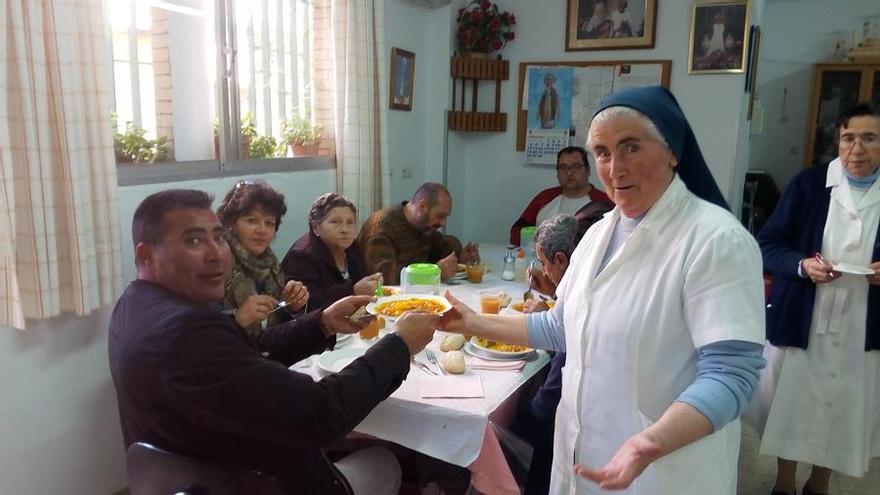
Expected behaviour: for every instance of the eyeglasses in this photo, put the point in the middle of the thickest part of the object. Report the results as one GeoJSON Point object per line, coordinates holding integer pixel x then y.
{"type": "Point", "coordinates": [569, 168]}
{"type": "Point", "coordinates": [244, 183]}
{"type": "Point", "coordinates": [869, 140]}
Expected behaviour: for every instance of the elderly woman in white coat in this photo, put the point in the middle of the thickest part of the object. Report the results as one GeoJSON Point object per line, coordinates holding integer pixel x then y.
{"type": "Point", "coordinates": [660, 312]}
{"type": "Point", "coordinates": [823, 320]}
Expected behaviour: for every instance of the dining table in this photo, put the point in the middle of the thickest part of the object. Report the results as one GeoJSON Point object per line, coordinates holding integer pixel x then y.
{"type": "Point", "coordinates": [453, 429]}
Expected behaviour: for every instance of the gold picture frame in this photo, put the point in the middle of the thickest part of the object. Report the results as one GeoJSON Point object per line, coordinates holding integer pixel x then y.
{"type": "Point", "coordinates": [610, 24]}
{"type": "Point", "coordinates": [719, 42]}
{"type": "Point", "coordinates": [403, 72]}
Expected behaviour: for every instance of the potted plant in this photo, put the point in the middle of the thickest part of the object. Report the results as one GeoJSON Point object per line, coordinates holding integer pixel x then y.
{"type": "Point", "coordinates": [482, 28]}
{"type": "Point", "coordinates": [247, 132]}
{"type": "Point", "coordinates": [262, 147]}
{"type": "Point", "coordinates": [301, 135]}
{"type": "Point", "coordinates": [132, 146]}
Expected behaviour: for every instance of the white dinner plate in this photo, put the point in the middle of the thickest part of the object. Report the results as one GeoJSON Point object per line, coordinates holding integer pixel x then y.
{"type": "Point", "coordinates": [335, 361]}
{"type": "Point", "coordinates": [371, 308]}
{"type": "Point", "coordinates": [481, 352]}
{"type": "Point", "coordinates": [854, 269]}
{"type": "Point", "coordinates": [342, 338]}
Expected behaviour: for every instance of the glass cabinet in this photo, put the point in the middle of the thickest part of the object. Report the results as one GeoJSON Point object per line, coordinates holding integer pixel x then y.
{"type": "Point", "coordinates": [835, 88]}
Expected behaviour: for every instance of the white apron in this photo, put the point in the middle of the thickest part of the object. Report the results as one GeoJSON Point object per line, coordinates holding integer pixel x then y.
{"type": "Point", "coordinates": [826, 406]}
{"type": "Point", "coordinates": [688, 275]}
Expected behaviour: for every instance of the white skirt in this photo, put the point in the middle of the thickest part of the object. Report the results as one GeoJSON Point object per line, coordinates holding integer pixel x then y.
{"type": "Point", "coordinates": [822, 404]}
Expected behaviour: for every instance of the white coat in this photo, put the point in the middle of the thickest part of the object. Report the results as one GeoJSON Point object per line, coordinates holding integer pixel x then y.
{"type": "Point", "coordinates": [688, 275]}
{"type": "Point", "coordinates": [826, 405]}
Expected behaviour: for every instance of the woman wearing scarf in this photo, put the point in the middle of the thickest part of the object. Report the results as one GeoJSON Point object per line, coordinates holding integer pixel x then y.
{"type": "Point", "coordinates": [252, 212]}
{"type": "Point", "coordinates": [821, 244]}
{"type": "Point", "coordinates": [660, 315]}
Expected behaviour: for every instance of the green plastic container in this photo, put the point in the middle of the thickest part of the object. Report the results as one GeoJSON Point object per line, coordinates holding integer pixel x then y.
{"type": "Point", "coordinates": [420, 278]}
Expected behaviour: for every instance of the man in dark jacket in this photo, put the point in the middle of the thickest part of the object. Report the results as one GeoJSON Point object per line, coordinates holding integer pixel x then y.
{"type": "Point", "coordinates": [190, 381]}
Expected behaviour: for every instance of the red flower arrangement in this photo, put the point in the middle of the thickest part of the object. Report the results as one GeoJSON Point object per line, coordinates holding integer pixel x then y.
{"type": "Point", "coordinates": [481, 28]}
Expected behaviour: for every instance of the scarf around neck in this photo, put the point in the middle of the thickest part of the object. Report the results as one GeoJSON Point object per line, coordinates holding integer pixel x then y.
{"type": "Point", "coordinates": [250, 274]}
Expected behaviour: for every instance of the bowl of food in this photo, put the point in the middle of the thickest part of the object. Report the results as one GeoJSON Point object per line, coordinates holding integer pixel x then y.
{"type": "Point", "coordinates": [391, 307]}
{"type": "Point", "coordinates": [488, 349]}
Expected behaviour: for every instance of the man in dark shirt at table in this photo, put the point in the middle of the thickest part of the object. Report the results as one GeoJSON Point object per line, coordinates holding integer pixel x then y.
{"type": "Point", "coordinates": [407, 233]}
{"type": "Point", "coordinates": [190, 381]}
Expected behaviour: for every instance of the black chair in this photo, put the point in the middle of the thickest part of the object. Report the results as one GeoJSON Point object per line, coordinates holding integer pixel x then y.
{"type": "Point", "coordinates": [153, 471]}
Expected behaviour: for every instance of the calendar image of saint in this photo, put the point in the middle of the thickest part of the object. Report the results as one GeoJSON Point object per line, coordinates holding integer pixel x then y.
{"type": "Point", "coordinates": [549, 103]}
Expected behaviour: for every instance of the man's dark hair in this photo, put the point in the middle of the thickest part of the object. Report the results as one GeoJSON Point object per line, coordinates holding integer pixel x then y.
{"type": "Point", "coordinates": [573, 149]}
{"type": "Point", "coordinates": [430, 192]}
{"type": "Point", "coordinates": [862, 109]}
{"type": "Point", "coordinates": [147, 224]}
{"type": "Point", "coordinates": [246, 195]}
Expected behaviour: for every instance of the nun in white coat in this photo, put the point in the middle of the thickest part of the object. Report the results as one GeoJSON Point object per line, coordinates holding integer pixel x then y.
{"type": "Point", "coordinates": [822, 244]}
{"type": "Point", "coordinates": [660, 313]}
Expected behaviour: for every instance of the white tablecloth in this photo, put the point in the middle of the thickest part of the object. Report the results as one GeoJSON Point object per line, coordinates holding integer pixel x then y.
{"type": "Point", "coordinates": [448, 429]}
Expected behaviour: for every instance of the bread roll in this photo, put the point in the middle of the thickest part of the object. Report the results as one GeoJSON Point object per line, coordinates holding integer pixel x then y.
{"type": "Point", "coordinates": [452, 343]}
{"type": "Point", "coordinates": [453, 362]}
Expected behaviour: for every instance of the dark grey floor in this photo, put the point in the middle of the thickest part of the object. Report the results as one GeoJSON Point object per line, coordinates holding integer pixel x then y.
{"type": "Point", "coordinates": [757, 473]}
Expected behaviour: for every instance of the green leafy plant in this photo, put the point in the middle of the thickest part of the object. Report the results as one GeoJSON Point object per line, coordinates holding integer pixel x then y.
{"type": "Point", "coordinates": [299, 131]}
{"type": "Point", "coordinates": [262, 147]}
{"type": "Point", "coordinates": [133, 146]}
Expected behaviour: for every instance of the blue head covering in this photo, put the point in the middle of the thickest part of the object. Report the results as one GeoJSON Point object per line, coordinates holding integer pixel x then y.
{"type": "Point", "coordinates": [658, 104]}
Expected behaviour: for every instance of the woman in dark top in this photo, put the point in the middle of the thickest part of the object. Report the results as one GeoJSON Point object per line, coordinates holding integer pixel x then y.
{"type": "Point", "coordinates": [326, 259]}
{"type": "Point", "coordinates": [252, 211]}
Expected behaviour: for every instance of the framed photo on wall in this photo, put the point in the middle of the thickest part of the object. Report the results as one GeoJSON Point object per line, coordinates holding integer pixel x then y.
{"type": "Point", "coordinates": [403, 71]}
{"type": "Point", "coordinates": [610, 24]}
{"type": "Point", "coordinates": [719, 37]}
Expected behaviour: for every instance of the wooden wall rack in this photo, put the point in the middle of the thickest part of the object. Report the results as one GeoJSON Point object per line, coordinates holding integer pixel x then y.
{"type": "Point", "coordinates": [476, 70]}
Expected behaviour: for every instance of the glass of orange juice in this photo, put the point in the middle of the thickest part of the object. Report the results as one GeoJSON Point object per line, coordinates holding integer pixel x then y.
{"type": "Point", "coordinates": [490, 301]}
{"type": "Point", "coordinates": [371, 331]}
{"type": "Point", "coordinates": [475, 273]}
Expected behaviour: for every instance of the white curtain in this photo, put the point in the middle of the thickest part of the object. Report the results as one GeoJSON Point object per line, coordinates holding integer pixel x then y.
{"type": "Point", "coordinates": [59, 228]}
{"type": "Point", "coordinates": [351, 96]}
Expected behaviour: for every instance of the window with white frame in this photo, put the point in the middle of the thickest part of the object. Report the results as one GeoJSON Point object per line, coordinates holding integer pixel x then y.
{"type": "Point", "coordinates": [188, 71]}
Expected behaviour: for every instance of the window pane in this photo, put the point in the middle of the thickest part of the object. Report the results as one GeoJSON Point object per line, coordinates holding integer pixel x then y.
{"type": "Point", "coordinates": [171, 101]}
{"type": "Point", "coordinates": [272, 76]}
{"type": "Point", "coordinates": [120, 46]}
{"type": "Point", "coordinates": [148, 99]}
{"type": "Point", "coordinates": [122, 81]}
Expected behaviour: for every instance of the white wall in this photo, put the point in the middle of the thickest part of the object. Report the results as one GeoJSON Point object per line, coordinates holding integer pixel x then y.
{"type": "Point", "coordinates": [489, 181]}
{"type": "Point", "coordinates": [793, 39]}
{"type": "Point", "coordinates": [416, 138]}
{"type": "Point", "coordinates": [59, 420]}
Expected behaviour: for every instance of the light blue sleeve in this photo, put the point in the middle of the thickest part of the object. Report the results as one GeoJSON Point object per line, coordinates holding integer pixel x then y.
{"type": "Point", "coordinates": [545, 329]}
{"type": "Point", "coordinates": [727, 378]}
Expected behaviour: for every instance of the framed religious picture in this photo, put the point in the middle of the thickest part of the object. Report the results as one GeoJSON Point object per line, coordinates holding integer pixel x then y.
{"type": "Point", "coordinates": [719, 37]}
{"type": "Point", "coordinates": [610, 24]}
{"type": "Point", "coordinates": [403, 71]}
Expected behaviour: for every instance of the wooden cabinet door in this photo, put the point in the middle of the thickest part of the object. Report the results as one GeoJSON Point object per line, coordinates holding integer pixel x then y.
{"type": "Point", "coordinates": [834, 90]}
{"type": "Point", "coordinates": [874, 90]}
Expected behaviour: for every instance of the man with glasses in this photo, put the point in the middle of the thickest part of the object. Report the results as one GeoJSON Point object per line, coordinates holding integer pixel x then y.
{"type": "Point", "coordinates": [572, 197]}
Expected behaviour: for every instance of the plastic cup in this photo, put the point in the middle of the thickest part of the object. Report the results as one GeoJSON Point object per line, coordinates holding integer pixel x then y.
{"type": "Point", "coordinates": [371, 331]}
{"type": "Point", "coordinates": [490, 301]}
{"type": "Point", "coordinates": [474, 273]}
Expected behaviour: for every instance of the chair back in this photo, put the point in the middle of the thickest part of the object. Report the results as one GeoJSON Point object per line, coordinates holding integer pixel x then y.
{"type": "Point", "coordinates": [153, 471]}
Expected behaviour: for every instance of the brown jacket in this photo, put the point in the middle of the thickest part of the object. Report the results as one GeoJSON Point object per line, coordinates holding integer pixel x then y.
{"type": "Point", "coordinates": [390, 243]}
